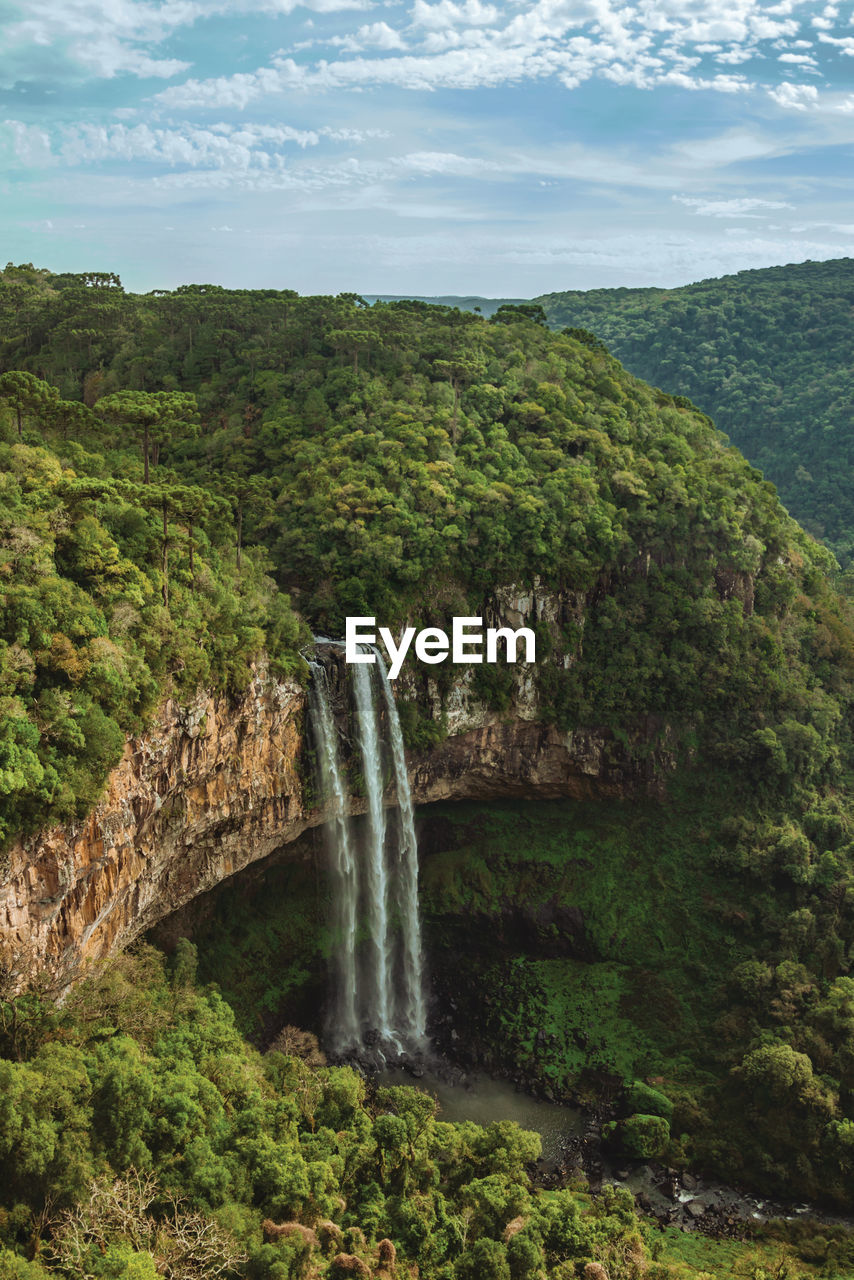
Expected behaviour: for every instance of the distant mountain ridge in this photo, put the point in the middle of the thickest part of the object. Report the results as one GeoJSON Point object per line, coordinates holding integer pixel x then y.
{"type": "Point", "coordinates": [768, 354]}
{"type": "Point", "coordinates": [465, 302]}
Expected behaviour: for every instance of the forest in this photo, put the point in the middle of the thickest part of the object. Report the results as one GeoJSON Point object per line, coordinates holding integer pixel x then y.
{"type": "Point", "coordinates": [194, 482]}
{"type": "Point", "coordinates": [767, 354]}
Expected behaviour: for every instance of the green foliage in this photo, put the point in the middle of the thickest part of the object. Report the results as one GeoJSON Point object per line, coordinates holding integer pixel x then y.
{"type": "Point", "coordinates": [669, 945]}
{"type": "Point", "coordinates": [643, 1098]}
{"type": "Point", "coordinates": [89, 635]}
{"type": "Point", "coordinates": [163, 1143]}
{"type": "Point", "coordinates": [642, 1137]}
{"type": "Point", "coordinates": [404, 460]}
{"type": "Point", "coordinates": [766, 353]}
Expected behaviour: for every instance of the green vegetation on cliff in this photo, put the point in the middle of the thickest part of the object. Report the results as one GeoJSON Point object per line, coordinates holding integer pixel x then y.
{"type": "Point", "coordinates": [93, 632]}
{"type": "Point", "coordinates": [164, 451]}
{"type": "Point", "coordinates": [768, 354]}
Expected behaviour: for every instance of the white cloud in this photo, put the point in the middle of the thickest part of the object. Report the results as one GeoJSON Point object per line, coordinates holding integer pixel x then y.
{"type": "Point", "coordinates": [435, 17]}
{"type": "Point", "coordinates": [720, 83]}
{"type": "Point", "coordinates": [740, 207]}
{"type": "Point", "coordinates": [843, 43]}
{"type": "Point", "coordinates": [841, 228]}
{"type": "Point", "coordinates": [221, 147]}
{"type": "Point", "coordinates": [795, 97]}
{"type": "Point", "coordinates": [107, 38]}
{"type": "Point", "coordinates": [379, 35]}
{"type": "Point", "coordinates": [486, 61]}
{"type": "Point", "coordinates": [29, 143]}
{"type": "Point", "coordinates": [734, 57]}
{"type": "Point", "coordinates": [456, 43]}
{"type": "Point", "coordinates": [376, 35]}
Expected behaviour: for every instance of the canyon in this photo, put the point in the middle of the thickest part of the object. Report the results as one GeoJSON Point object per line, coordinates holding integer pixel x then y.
{"type": "Point", "coordinates": [217, 784]}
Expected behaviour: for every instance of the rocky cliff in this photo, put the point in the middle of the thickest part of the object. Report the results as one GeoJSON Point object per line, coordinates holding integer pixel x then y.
{"type": "Point", "coordinates": [209, 788]}
{"type": "Point", "coordinates": [217, 785]}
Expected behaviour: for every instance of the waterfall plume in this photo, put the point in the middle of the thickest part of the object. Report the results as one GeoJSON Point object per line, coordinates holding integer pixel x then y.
{"type": "Point", "coordinates": [378, 998]}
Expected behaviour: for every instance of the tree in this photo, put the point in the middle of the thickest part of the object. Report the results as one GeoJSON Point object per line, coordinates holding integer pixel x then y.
{"type": "Point", "coordinates": [27, 394]}
{"type": "Point", "coordinates": [246, 493]}
{"type": "Point", "coordinates": [156, 417]}
{"type": "Point", "coordinates": [137, 410]}
{"type": "Point", "coordinates": [461, 370]}
{"type": "Point", "coordinates": [353, 341]}
{"type": "Point", "coordinates": [193, 505]}
{"type": "Point", "coordinates": [134, 1211]}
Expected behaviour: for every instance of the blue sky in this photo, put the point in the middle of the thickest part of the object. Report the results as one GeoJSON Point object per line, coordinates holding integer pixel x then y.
{"type": "Point", "coordinates": [432, 146]}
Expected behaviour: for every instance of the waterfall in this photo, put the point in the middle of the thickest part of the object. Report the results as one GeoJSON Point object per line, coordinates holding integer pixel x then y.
{"type": "Point", "coordinates": [377, 875]}
{"type": "Point", "coordinates": [411, 990]}
{"type": "Point", "coordinates": [378, 968]}
{"type": "Point", "coordinates": [347, 1021]}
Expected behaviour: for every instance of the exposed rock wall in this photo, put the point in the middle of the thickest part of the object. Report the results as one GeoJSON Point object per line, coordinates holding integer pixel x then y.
{"type": "Point", "coordinates": [208, 789]}
{"type": "Point", "coordinates": [215, 786]}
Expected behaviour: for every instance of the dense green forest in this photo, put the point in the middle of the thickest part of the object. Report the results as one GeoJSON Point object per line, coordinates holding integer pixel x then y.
{"type": "Point", "coordinates": [194, 480]}
{"type": "Point", "coordinates": [768, 354]}
{"type": "Point", "coordinates": [141, 1136]}
{"type": "Point", "coordinates": [150, 1139]}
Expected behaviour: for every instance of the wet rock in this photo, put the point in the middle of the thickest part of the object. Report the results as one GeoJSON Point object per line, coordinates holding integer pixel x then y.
{"type": "Point", "coordinates": [695, 1208]}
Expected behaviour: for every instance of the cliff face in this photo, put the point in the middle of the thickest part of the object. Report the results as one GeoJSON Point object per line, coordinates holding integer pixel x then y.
{"type": "Point", "coordinates": [209, 788]}
{"type": "Point", "coordinates": [215, 786]}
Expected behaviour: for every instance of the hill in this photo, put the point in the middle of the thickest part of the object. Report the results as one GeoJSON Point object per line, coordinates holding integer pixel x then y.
{"type": "Point", "coordinates": [167, 455]}
{"type": "Point", "coordinates": [467, 302]}
{"type": "Point", "coordinates": [767, 354]}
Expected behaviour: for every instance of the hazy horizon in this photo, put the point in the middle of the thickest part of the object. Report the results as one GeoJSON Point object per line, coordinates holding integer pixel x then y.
{"type": "Point", "coordinates": [456, 147]}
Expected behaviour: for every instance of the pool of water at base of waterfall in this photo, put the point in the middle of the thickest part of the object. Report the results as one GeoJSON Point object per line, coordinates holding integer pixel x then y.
{"type": "Point", "coordinates": [484, 1101]}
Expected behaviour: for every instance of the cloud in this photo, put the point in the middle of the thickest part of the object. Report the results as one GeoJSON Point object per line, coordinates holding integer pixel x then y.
{"type": "Point", "coordinates": [461, 44]}
{"type": "Point", "coordinates": [471, 44]}
{"type": "Point", "coordinates": [843, 43]}
{"type": "Point", "coordinates": [226, 147]}
{"type": "Point", "coordinates": [740, 207]}
{"type": "Point", "coordinates": [841, 228]}
{"type": "Point", "coordinates": [436, 17]}
{"type": "Point", "coordinates": [735, 57]}
{"type": "Point", "coordinates": [98, 38]}
{"type": "Point", "coordinates": [29, 143]}
{"type": "Point", "coordinates": [352, 173]}
{"type": "Point", "coordinates": [376, 35]}
{"type": "Point", "coordinates": [481, 63]}
{"type": "Point", "coordinates": [795, 97]}
{"type": "Point", "coordinates": [103, 39]}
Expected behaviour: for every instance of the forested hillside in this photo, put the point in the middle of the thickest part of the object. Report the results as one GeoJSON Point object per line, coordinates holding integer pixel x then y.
{"type": "Point", "coordinates": [394, 458]}
{"type": "Point", "coordinates": [196, 478]}
{"type": "Point", "coordinates": [768, 354]}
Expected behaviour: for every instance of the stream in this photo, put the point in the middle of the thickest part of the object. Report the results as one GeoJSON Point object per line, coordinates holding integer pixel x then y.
{"type": "Point", "coordinates": [484, 1101]}
{"type": "Point", "coordinates": [570, 1139]}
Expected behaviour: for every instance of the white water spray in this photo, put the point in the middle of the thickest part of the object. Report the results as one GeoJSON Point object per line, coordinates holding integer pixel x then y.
{"type": "Point", "coordinates": [377, 875]}
{"type": "Point", "coordinates": [381, 994]}
{"type": "Point", "coordinates": [348, 1029]}
{"type": "Point", "coordinates": [410, 991]}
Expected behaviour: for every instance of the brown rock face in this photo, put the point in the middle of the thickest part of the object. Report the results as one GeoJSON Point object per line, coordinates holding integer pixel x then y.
{"type": "Point", "coordinates": [517, 757]}
{"type": "Point", "coordinates": [215, 786]}
{"type": "Point", "coordinates": [208, 789]}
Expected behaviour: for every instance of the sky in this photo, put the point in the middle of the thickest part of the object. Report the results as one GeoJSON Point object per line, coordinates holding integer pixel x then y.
{"type": "Point", "coordinates": [427, 146]}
